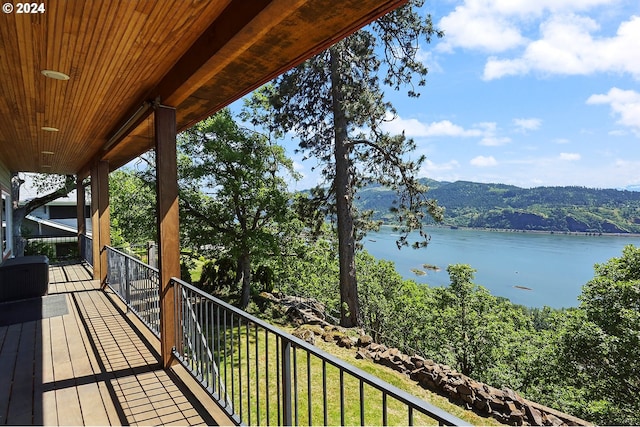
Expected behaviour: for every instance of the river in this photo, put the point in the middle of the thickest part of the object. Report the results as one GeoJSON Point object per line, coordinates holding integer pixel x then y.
{"type": "Point", "coordinates": [532, 269]}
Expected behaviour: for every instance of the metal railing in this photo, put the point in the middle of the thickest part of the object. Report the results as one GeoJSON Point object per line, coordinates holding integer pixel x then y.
{"type": "Point", "coordinates": [137, 284]}
{"type": "Point", "coordinates": [56, 248]}
{"type": "Point", "coordinates": [86, 248]}
{"type": "Point", "coordinates": [261, 375]}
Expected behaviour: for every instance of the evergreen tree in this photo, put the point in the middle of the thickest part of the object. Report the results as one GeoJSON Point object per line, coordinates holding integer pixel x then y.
{"type": "Point", "coordinates": [335, 104]}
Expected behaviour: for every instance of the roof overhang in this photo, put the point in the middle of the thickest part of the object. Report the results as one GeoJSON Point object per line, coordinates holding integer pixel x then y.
{"type": "Point", "coordinates": [123, 55]}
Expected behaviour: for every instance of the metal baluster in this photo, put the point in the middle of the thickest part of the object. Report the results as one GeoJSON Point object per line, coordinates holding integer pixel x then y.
{"type": "Point", "coordinates": [295, 384]}
{"type": "Point", "coordinates": [341, 397]}
{"type": "Point", "coordinates": [286, 382]}
{"type": "Point", "coordinates": [324, 391]}
{"type": "Point", "coordinates": [309, 408]}
{"type": "Point", "coordinates": [361, 403]}
{"type": "Point", "coordinates": [266, 373]}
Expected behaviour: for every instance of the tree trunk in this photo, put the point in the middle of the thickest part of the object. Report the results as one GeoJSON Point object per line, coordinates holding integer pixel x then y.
{"type": "Point", "coordinates": [18, 214]}
{"type": "Point", "coordinates": [349, 312]}
{"type": "Point", "coordinates": [244, 270]}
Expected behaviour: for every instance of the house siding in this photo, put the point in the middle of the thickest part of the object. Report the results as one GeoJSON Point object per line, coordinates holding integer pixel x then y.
{"type": "Point", "coordinates": [5, 178]}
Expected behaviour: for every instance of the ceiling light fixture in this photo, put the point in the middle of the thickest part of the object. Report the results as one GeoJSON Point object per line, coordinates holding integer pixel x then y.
{"type": "Point", "coordinates": [50, 129]}
{"type": "Point", "coordinates": [48, 152]}
{"type": "Point", "coordinates": [57, 75]}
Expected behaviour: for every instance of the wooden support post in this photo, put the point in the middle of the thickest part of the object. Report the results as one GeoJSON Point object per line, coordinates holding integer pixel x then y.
{"type": "Point", "coordinates": [95, 222]}
{"type": "Point", "coordinates": [100, 223]}
{"type": "Point", "coordinates": [80, 214]}
{"type": "Point", "coordinates": [105, 223]}
{"type": "Point", "coordinates": [168, 225]}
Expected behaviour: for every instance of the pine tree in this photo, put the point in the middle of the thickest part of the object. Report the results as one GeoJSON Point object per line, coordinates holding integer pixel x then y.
{"type": "Point", "coordinates": [335, 104]}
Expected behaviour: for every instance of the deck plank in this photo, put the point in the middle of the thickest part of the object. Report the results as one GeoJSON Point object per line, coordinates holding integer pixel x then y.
{"type": "Point", "coordinates": [7, 364]}
{"type": "Point", "coordinates": [46, 412]}
{"type": "Point", "coordinates": [21, 403]}
{"type": "Point", "coordinates": [68, 402]}
{"type": "Point", "coordinates": [92, 404]}
{"type": "Point", "coordinates": [91, 366]}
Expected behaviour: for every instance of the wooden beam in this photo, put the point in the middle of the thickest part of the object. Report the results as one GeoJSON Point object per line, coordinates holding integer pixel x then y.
{"type": "Point", "coordinates": [188, 74]}
{"type": "Point", "coordinates": [168, 225]}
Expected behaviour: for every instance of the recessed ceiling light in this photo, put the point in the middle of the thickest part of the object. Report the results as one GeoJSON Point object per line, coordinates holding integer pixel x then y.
{"type": "Point", "coordinates": [55, 75]}
{"type": "Point", "coordinates": [49, 129]}
{"type": "Point", "coordinates": [48, 152]}
{"type": "Point", "coordinates": [46, 166]}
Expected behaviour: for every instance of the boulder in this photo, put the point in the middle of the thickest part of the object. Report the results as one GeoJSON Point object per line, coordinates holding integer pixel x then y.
{"type": "Point", "coordinates": [363, 354]}
{"type": "Point", "coordinates": [464, 389]}
{"type": "Point", "coordinates": [305, 335]}
{"type": "Point", "coordinates": [373, 347]}
{"type": "Point", "coordinates": [364, 340]}
{"type": "Point", "coordinates": [534, 416]}
{"type": "Point", "coordinates": [417, 361]}
{"type": "Point", "coordinates": [552, 420]}
{"type": "Point", "coordinates": [344, 341]}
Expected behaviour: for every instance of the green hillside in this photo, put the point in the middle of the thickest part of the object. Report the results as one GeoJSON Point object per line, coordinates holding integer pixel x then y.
{"type": "Point", "coordinates": [558, 209]}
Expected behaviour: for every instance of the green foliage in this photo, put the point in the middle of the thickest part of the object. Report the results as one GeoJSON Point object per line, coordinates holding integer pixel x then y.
{"type": "Point", "coordinates": [218, 276]}
{"type": "Point", "coordinates": [310, 269]}
{"type": "Point", "coordinates": [132, 203]}
{"type": "Point", "coordinates": [233, 193]}
{"type": "Point", "coordinates": [602, 340]}
{"type": "Point", "coordinates": [36, 247]}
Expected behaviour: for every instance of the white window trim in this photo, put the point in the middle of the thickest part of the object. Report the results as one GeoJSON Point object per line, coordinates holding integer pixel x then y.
{"type": "Point", "coordinates": [8, 224]}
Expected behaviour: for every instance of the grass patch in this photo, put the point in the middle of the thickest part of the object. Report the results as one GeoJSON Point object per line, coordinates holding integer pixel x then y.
{"type": "Point", "coordinates": [250, 361]}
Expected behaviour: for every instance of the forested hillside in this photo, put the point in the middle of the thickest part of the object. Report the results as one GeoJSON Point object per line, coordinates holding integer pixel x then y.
{"type": "Point", "coordinates": [558, 209]}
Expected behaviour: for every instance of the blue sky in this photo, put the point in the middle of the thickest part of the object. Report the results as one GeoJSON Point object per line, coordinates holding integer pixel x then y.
{"type": "Point", "coordinates": [527, 92]}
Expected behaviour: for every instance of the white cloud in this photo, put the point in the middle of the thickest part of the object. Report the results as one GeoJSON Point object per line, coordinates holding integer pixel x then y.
{"type": "Point", "coordinates": [494, 141]}
{"type": "Point", "coordinates": [415, 128]}
{"type": "Point", "coordinates": [567, 46]}
{"type": "Point", "coordinates": [618, 132]}
{"type": "Point", "coordinates": [572, 157]}
{"type": "Point", "coordinates": [497, 25]}
{"type": "Point", "coordinates": [428, 167]}
{"type": "Point", "coordinates": [483, 162]}
{"type": "Point", "coordinates": [561, 141]}
{"type": "Point", "coordinates": [524, 125]}
{"type": "Point", "coordinates": [625, 104]}
{"type": "Point", "coordinates": [471, 28]}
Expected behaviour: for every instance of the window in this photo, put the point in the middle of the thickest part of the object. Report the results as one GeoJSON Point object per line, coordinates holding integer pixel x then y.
{"type": "Point", "coordinates": [6, 225]}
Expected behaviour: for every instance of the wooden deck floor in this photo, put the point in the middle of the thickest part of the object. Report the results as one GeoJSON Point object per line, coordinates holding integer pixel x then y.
{"type": "Point", "coordinates": [91, 366]}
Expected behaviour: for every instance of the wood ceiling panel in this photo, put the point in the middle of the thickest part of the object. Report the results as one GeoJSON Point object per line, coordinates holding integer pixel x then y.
{"type": "Point", "coordinates": [114, 51]}
{"type": "Point", "coordinates": [197, 55]}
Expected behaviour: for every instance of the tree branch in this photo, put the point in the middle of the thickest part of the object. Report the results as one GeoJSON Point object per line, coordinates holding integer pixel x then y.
{"type": "Point", "coordinates": [67, 187]}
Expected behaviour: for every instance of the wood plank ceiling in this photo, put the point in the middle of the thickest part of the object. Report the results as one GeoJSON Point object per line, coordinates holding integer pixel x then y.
{"type": "Point", "coordinates": [195, 55]}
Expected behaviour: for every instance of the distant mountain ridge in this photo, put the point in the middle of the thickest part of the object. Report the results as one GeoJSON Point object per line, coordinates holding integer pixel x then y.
{"type": "Point", "coordinates": [502, 206]}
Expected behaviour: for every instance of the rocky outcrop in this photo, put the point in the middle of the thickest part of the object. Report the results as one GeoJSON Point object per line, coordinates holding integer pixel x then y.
{"type": "Point", "coordinates": [504, 405]}
{"type": "Point", "coordinates": [302, 311]}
